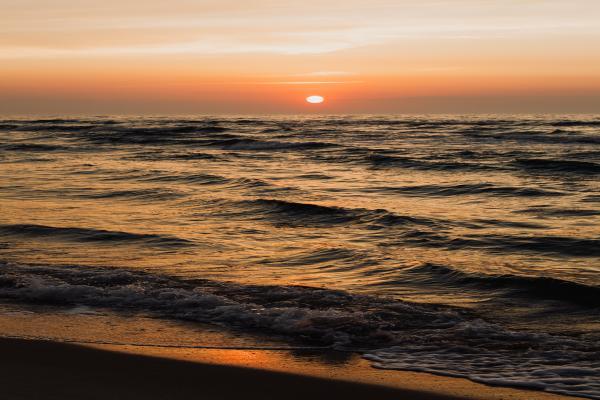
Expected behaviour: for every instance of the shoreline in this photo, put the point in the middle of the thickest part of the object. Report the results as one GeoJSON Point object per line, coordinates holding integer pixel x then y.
{"type": "Point", "coordinates": [33, 369]}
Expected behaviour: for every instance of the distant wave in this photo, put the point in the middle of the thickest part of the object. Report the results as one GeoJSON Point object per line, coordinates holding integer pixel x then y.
{"type": "Point", "coordinates": [559, 245]}
{"type": "Point", "coordinates": [57, 127]}
{"type": "Point", "coordinates": [54, 121]}
{"type": "Point", "coordinates": [32, 147]}
{"type": "Point", "coordinates": [8, 126]}
{"type": "Point", "coordinates": [192, 136]}
{"type": "Point", "coordinates": [388, 159]}
{"type": "Point", "coordinates": [255, 144]}
{"type": "Point", "coordinates": [561, 139]}
{"type": "Point", "coordinates": [148, 135]}
{"type": "Point", "coordinates": [496, 222]}
{"type": "Point", "coordinates": [198, 179]}
{"type": "Point", "coordinates": [392, 161]}
{"type": "Point", "coordinates": [554, 166]}
{"type": "Point", "coordinates": [256, 185]}
{"type": "Point", "coordinates": [186, 155]}
{"type": "Point", "coordinates": [89, 235]}
{"type": "Point", "coordinates": [154, 194]}
{"type": "Point", "coordinates": [577, 123]}
{"type": "Point", "coordinates": [471, 189]}
{"type": "Point", "coordinates": [559, 212]}
{"type": "Point", "coordinates": [594, 198]}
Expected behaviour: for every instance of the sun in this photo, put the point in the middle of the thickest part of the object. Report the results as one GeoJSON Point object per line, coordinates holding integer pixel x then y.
{"type": "Point", "coordinates": [315, 99]}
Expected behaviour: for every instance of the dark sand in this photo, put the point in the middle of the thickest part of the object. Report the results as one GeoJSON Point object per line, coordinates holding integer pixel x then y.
{"type": "Point", "coordinates": [49, 370]}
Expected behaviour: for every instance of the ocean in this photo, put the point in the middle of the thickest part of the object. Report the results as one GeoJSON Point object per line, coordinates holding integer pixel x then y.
{"type": "Point", "coordinates": [465, 246]}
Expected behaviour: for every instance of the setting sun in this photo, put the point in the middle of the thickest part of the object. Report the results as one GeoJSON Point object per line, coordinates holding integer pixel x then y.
{"type": "Point", "coordinates": [315, 99]}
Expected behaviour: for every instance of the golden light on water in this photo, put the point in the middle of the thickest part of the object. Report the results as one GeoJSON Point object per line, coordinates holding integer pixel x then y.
{"type": "Point", "coordinates": [315, 99]}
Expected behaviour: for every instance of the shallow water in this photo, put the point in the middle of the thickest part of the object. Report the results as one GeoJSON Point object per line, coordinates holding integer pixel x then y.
{"type": "Point", "coordinates": [457, 245]}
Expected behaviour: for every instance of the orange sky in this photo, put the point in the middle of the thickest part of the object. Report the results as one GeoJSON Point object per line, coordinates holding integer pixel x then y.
{"type": "Point", "coordinates": [380, 56]}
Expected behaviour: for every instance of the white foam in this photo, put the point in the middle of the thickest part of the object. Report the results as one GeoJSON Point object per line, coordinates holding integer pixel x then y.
{"type": "Point", "coordinates": [489, 354]}
{"type": "Point", "coordinates": [409, 336]}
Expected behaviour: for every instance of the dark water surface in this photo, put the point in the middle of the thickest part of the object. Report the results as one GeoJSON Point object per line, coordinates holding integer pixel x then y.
{"type": "Point", "coordinates": [466, 246]}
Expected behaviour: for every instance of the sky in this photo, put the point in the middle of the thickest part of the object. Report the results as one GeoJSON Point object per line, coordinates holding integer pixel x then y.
{"type": "Point", "coordinates": [266, 56]}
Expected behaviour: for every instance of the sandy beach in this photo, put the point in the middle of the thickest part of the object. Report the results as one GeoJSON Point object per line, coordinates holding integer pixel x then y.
{"type": "Point", "coordinates": [49, 370]}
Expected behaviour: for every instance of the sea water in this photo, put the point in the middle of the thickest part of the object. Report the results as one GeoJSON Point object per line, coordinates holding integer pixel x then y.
{"type": "Point", "coordinates": [459, 245]}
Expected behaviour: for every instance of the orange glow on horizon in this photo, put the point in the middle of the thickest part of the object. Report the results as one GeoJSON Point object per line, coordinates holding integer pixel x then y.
{"type": "Point", "coordinates": [216, 57]}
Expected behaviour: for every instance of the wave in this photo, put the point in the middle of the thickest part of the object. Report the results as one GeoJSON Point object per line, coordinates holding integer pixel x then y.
{"type": "Point", "coordinates": [471, 189]}
{"type": "Point", "coordinates": [410, 230]}
{"type": "Point", "coordinates": [278, 130]}
{"type": "Point", "coordinates": [323, 316]}
{"type": "Point", "coordinates": [539, 287]}
{"type": "Point", "coordinates": [193, 136]}
{"type": "Point", "coordinates": [46, 127]}
{"type": "Point", "coordinates": [192, 156]}
{"type": "Point", "coordinates": [198, 129]}
{"type": "Point", "coordinates": [395, 161]}
{"type": "Point", "coordinates": [154, 194]}
{"type": "Point", "coordinates": [559, 212]}
{"type": "Point", "coordinates": [330, 256]}
{"type": "Point", "coordinates": [558, 166]}
{"type": "Point", "coordinates": [8, 126]}
{"type": "Point", "coordinates": [32, 147]}
{"type": "Point", "coordinates": [197, 179]}
{"type": "Point", "coordinates": [579, 139]}
{"type": "Point", "coordinates": [230, 183]}
{"type": "Point", "coordinates": [390, 159]}
{"type": "Point", "coordinates": [533, 136]}
{"type": "Point", "coordinates": [394, 334]}
{"type": "Point", "coordinates": [576, 123]}
{"type": "Point", "coordinates": [515, 244]}
{"type": "Point", "coordinates": [53, 121]}
{"type": "Point", "coordinates": [257, 186]}
{"type": "Point", "coordinates": [90, 235]}
{"type": "Point", "coordinates": [562, 245]}
{"type": "Point", "coordinates": [415, 122]}
{"type": "Point", "coordinates": [255, 144]}
{"type": "Point", "coordinates": [307, 214]}
{"type": "Point", "coordinates": [509, 224]}
{"type": "Point", "coordinates": [486, 353]}
{"type": "Point", "coordinates": [161, 155]}
{"type": "Point", "coordinates": [593, 198]}
{"type": "Point", "coordinates": [24, 160]}
{"type": "Point", "coordinates": [151, 135]}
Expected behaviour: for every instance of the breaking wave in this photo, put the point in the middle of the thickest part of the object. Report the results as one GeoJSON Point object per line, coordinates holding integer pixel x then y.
{"type": "Point", "coordinates": [393, 334]}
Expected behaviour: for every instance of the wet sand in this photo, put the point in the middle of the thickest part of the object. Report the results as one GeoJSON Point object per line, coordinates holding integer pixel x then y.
{"type": "Point", "coordinates": [50, 370]}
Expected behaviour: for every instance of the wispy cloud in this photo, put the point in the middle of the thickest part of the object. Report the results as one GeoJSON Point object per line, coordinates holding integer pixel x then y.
{"type": "Point", "coordinates": [213, 46]}
{"type": "Point", "coordinates": [325, 73]}
{"type": "Point", "coordinates": [286, 28]}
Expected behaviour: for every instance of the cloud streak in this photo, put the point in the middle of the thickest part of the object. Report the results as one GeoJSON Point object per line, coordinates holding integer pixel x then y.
{"type": "Point", "coordinates": [210, 27]}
